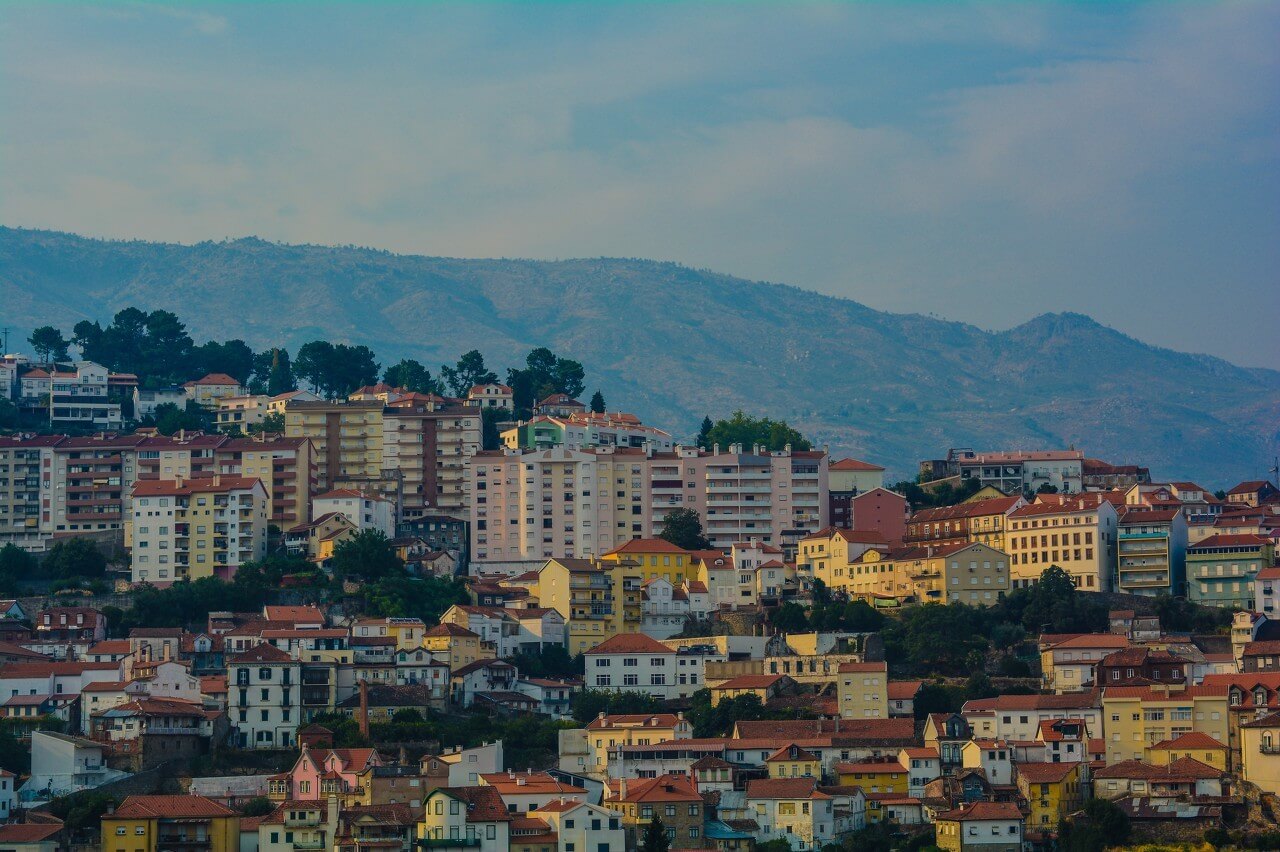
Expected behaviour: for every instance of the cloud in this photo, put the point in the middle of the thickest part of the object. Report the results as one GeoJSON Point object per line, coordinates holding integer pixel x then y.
{"type": "Point", "coordinates": [985, 163]}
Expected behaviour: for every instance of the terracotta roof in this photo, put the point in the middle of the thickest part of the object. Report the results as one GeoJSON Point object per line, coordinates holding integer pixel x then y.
{"type": "Point", "coordinates": [201, 485]}
{"type": "Point", "coordinates": [897, 731]}
{"type": "Point", "coordinates": [29, 832]}
{"type": "Point", "coordinates": [853, 464]}
{"type": "Point", "coordinates": [664, 788]}
{"type": "Point", "coordinates": [630, 643]}
{"type": "Point", "coordinates": [1256, 649]}
{"type": "Point", "coordinates": [1045, 773]}
{"type": "Point", "coordinates": [919, 753]}
{"type": "Point", "coordinates": [983, 811]}
{"type": "Point", "coordinates": [1250, 486]}
{"type": "Point", "coordinates": [530, 783]}
{"type": "Point", "coordinates": [784, 753]}
{"type": "Point", "coordinates": [294, 613]}
{"type": "Point", "coordinates": [451, 629]}
{"type": "Point", "coordinates": [1067, 701]}
{"type": "Point", "coordinates": [901, 690]}
{"type": "Point", "coordinates": [634, 720]}
{"type": "Point", "coordinates": [870, 767]}
{"type": "Point", "coordinates": [22, 670]}
{"type": "Point", "coordinates": [1182, 769]}
{"type": "Point", "coordinates": [1093, 640]}
{"type": "Point", "coordinates": [784, 788]}
{"type": "Point", "coordinates": [1271, 721]}
{"type": "Point", "coordinates": [262, 653]}
{"type": "Point", "coordinates": [647, 545]}
{"type": "Point", "coordinates": [145, 807]}
{"type": "Point", "coordinates": [1194, 739]}
{"type": "Point", "coordinates": [1224, 540]}
{"type": "Point", "coordinates": [978, 508]}
{"type": "Point", "coordinates": [213, 379]}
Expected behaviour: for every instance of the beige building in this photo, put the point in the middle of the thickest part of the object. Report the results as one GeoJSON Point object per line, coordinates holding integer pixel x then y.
{"type": "Point", "coordinates": [862, 691]}
{"type": "Point", "coordinates": [430, 446]}
{"type": "Point", "coordinates": [1078, 536]}
{"type": "Point", "coordinates": [346, 438]}
{"type": "Point", "coordinates": [1068, 666]}
{"type": "Point", "coordinates": [1260, 753]}
{"type": "Point", "coordinates": [972, 574]}
{"type": "Point", "coordinates": [238, 413]}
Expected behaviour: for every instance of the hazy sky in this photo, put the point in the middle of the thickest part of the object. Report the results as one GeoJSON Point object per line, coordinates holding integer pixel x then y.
{"type": "Point", "coordinates": [985, 163]}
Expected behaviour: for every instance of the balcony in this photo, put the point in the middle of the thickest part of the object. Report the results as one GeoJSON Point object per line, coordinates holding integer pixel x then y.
{"type": "Point", "coordinates": [448, 843]}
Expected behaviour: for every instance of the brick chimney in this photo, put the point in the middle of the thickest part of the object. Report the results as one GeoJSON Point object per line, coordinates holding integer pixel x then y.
{"type": "Point", "coordinates": [364, 709]}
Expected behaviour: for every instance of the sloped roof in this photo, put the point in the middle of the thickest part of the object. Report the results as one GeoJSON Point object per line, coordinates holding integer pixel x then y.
{"type": "Point", "coordinates": [630, 643]}
{"type": "Point", "coordinates": [148, 807]}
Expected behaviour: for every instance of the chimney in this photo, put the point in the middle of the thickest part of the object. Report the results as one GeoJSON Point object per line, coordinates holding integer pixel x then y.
{"type": "Point", "coordinates": [364, 709]}
{"type": "Point", "coordinates": [622, 788]}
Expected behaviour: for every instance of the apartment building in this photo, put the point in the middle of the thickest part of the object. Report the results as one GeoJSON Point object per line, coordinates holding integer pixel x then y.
{"type": "Point", "coordinates": [285, 466]}
{"type": "Point", "coordinates": [1078, 535]}
{"type": "Point", "coordinates": [1151, 551]}
{"type": "Point", "coordinates": [238, 413]}
{"type": "Point", "coordinates": [637, 663]}
{"type": "Point", "coordinates": [23, 461]}
{"type": "Point", "coordinates": [1068, 665]}
{"type": "Point", "coordinates": [1013, 471]}
{"type": "Point", "coordinates": [743, 494]}
{"type": "Point", "coordinates": [170, 822]}
{"type": "Point", "coordinates": [186, 529]}
{"type": "Point", "coordinates": [207, 391]}
{"type": "Point", "coordinates": [862, 691]}
{"type": "Point", "coordinates": [1137, 717]}
{"type": "Point", "coordinates": [589, 594]}
{"type": "Point", "coordinates": [533, 506]}
{"type": "Point", "coordinates": [972, 574]}
{"type": "Point", "coordinates": [85, 483]}
{"type": "Point", "coordinates": [828, 554]}
{"type": "Point", "coordinates": [346, 438]}
{"type": "Point", "coordinates": [430, 446]}
{"type": "Point", "coordinates": [1221, 569]}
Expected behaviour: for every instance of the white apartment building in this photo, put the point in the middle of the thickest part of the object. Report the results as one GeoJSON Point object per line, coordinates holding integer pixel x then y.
{"type": "Point", "coordinates": [633, 662]}
{"type": "Point", "coordinates": [185, 529]}
{"type": "Point", "coordinates": [264, 686]}
{"type": "Point", "coordinates": [530, 506]}
{"type": "Point", "coordinates": [364, 511]}
{"type": "Point", "coordinates": [147, 400]}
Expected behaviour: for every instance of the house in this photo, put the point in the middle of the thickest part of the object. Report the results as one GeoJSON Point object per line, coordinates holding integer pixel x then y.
{"type": "Point", "coordinates": [606, 732]}
{"type": "Point", "coordinates": [923, 765]}
{"type": "Point", "coordinates": [1141, 665]}
{"type": "Point", "coordinates": [1253, 493]}
{"type": "Point", "coordinates": [1064, 740]}
{"type": "Point", "coordinates": [364, 511]}
{"type": "Point", "coordinates": [1261, 656]}
{"type": "Point", "coordinates": [491, 396]}
{"type": "Point", "coordinates": [552, 696]}
{"type": "Point", "coordinates": [79, 397]}
{"type": "Point", "coordinates": [209, 389]}
{"type": "Point", "coordinates": [1068, 665]}
{"type": "Point", "coordinates": [478, 677]}
{"type": "Point", "coordinates": [901, 697]}
{"type": "Point", "coordinates": [475, 817]}
{"type": "Point", "coordinates": [878, 775]}
{"type": "Point", "coordinates": [319, 773]}
{"type": "Point", "coordinates": [459, 767]}
{"type": "Point", "coordinates": [763, 687]}
{"type": "Point", "coordinates": [1140, 715]}
{"type": "Point", "coordinates": [1152, 551]}
{"type": "Point", "coordinates": [316, 540]}
{"type": "Point", "coordinates": [1260, 753]}
{"type": "Point", "coordinates": [578, 825]}
{"type": "Point", "coordinates": [147, 732]}
{"type": "Point", "coordinates": [633, 662]}
{"type": "Point", "coordinates": [1052, 790]}
{"type": "Point", "coordinates": [265, 686]}
{"type": "Point", "coordinates": [993, 757]}
{"type": "Point", "coordinates": [673, 799]}
{"type": "Point", "coordinates": [526, 791]}
{"type": "Point", "coordinates": [302, 825]}
{"type": "Point", "coordinates": [1077, 535]}
{"type": "Point", "coordinates": [980, 827]}
{"type": "Point", "coordinates": [791, 761]}
{"type": "Point", "coordinates": [456, 646]}
{"type": "Point", "coordinates": [1194, 744]}
{"type": "Point", "coordinates": [793, 809]}
{"type": "Point", "coordinates": [1184, 777]}
{"type": "Point", "coordinates": [862, 690]}
{"type": "Point", "coordinates": [162, 822]}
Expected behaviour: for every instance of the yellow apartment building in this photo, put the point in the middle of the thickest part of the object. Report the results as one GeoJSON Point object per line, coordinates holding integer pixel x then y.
{"type": "Point", "coordinates": [346, 438]}
{"type": "Point", "coordinates": [628, 729]}
{"type": "Point", "coordinates": [791, 761]}
{"type": "Point", "coordinates": [452, 644]}
{"type": "Point", "coordinates": [972, 574]}
{"type": "Point", "coordinates": [153, 823]}
{"type": "Point", "coordinates": [1260, 753]}
{"type": "Point", "coordinates": [1195, 745]}
{"type": "Point", "coordinates": [1052, 790]}
{"type": "Point", "coordinates": [1136, 717]}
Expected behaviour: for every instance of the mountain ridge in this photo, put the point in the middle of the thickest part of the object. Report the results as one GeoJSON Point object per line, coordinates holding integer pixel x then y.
{"type": "Point", "coordinates": [673, 343]}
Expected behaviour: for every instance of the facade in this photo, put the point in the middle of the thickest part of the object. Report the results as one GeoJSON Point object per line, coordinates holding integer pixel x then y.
{"type": "Point", "coordinates": [188, 529]}
{"type": "Point", "coordinates": [1013, 472]}
{"type": "Point", "coordinates": [346, 438]}
{"type": "Point", "coordinates": [586, 429]}
{"type": "Point", "coordinates": [1078, 536]}
{"type": "Point", "coordinates": [1152, 552]}
{"type": "Point", "coordinates": [364, 511]}
{"type": "Point", "coordinates": [1142, 716]}
{"type": "Point", "coordinates": [980, 827]}
{"type": "Point", "coordinates": [207, 391]}
{"type": "Point", "coordinates": [793, 809]}
{"type": "Point", "coordinates": [633, 662]}
{"type": "Point", "coordinates": [264, 686]}
{"type": "Point", "coordinates": [465, 818]}
{"type": "Point", "coordinates": [238, 413]}
{"type": "Point", "coordinates": [673, 799]}
{"type": "Point", "coordinates": [862, 691]}
{"type": "Point", "coordinates": [1221, 569]}
{"type": "Point", "coordinates": [980, 520]}
{"type": "Point", "coordinates": [78, 398]}
{"type": "Point", "coordinates": [167, 822]}
{"type": "Point", "coordinates": [1260, 752]}
{"type": "Point", "coordinates": [429, 445]}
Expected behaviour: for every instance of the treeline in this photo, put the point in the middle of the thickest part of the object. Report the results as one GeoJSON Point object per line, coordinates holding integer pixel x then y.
{"type": "Point", "coordinates": [157, 347]}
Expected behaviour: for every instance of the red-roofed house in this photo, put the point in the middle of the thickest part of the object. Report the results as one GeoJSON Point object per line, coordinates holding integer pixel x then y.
{"type": "Point", "coordinates": [1221, 568]}
{"type": "Point", "coordinates": [160, 822]}
{"type": "Point", "coordinates": [794, 809]}
{"type": "Point", "coordinates": [985, 826]}
{"type": "Point", "coordinates": [476, 814]}
{"type": "Point", "coordinates": [633, 662]}
{"type": "Point", "coordinates": [207, 390]}
{"type": "Point", "coordinates": [674, 799]}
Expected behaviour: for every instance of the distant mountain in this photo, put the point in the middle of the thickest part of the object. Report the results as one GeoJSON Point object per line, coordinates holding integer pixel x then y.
{"type": "Point", "coordinates": [672, 344]}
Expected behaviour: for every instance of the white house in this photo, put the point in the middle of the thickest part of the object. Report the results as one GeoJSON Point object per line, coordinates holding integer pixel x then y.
{"type": "Point", "coordinates": [666, 608]}
{"type": "Point", "coordinates": [62, 764]}
{"type": "Point", "coordinates": [634, 662]}
{"type": "Point", "coordinates": [264, 686]}
{"type": "Point", "coordinates": [147, 400]}
{"type": "Point", "coordinates": [365, 511]}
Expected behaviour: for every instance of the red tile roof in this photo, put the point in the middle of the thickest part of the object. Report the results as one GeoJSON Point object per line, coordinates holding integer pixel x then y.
{"type": "Point", "coordinates": [203, 485]}
{"type": "Point", "coordinates": [450, 629]}
{"type": "Point", "coordinates": [213, 379]}
{"type": "Point", "coordinates": [630, 643]}
{"type": "Point", "coordinates": [1182, 769]}
{"type": "Point", "coordinates": [848, 668]}
{"type": "Point", "coordinates": [903, 690]}
{"type": "Point", "coordinates": [634, 720]}
{"type": "Point", "coordinates": [1194, 739]}
{"type": "Point", "coordinates": [263, 653]}
{"type": "Point", "coordinates": [664, 788]}
{"type": "Point", "coordinates": [170, 807]}
{"type": "Point", "coordinates": [983, 811]}
{"type": "Point", "coordinates": [647, 545]}
{"type": "Point", "coordinates": [1045, 773]}
{"type": "Point", "coordinates": [853, 464]}
{"type": "Point", "coordinates": [1224, 540]}
{"type": "Point", "coordinates": [30, 832]}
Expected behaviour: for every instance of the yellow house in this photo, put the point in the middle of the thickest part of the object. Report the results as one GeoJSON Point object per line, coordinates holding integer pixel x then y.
{"type": "Point", "coordinates": [598, 599]}
{"type": "Point", "coordinates": [862, 690]}
{"type": "Point", "coordinates": [1052, 791]}
{"type": "Point", "coordinates": [655, 557]}
{"type": "Point", "coordinates": [762, 686]}
{"type": "Point", "coordinates": [1135, 717]}
{"type": "Point", "coordinates": [875, 776]}
{"type": "Point", "coordinates": [605, 732]}
{"type": "Point", "coordinates": [151, 823]}
{"type": "Point", "coordinates": [408, 633]}
{"type": "Point", "coordinates": [452, 644]}
{"type": "Point", "coordinates": [791, 761]}
{"type": "Point", "coordinates": [1195, 744]}
{"type": "Point", "coordinates": [316, 540]}
{"type": "Point", "coordinates": [998, 824]}
{"type": "Point", "coordinates": [828, 553]}
{"type": "Point", "coordinates": [1260, 753]}
{"type": "Point", "coordinates": [874, 574]}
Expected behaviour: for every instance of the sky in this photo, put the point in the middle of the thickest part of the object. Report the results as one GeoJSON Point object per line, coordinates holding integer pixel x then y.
{"type": "Point", "coordinates": [985, 163]}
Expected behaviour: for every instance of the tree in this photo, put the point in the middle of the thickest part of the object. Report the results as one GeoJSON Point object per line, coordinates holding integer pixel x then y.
{"type": "Point", "coordinates": [257, 806]}
{"type": "Point", "coordinates": [750, 431]}
{"type": "Point", "coordinates": [15, 565]}
{"type": "Point", "coordinates": [704, 433]}
{"type": "Point", "coordinates": [683, 528]}
{"type": "Point", "coordinates": [412, 376]}
{"type": "Point", "coordinates": [233, 357]}
{"type": "Point", "coordinates": [74, 557]}
{"type": "Point", "coordinates": [597, 402]}
{"type": "Point", "coordinates": [1104, 826]}
{"type": "Point", "coordinates": [48, 344]}
{"type": "Point", "coordinates": [170, 419]}
{"type": "Point", "coordinates": [467, 373]}
{"type": "Point", "coordinates": [335, 369]}
{"type": "Point", "coordinates": [272, 372]}
{"type": "Point", "coordinates": [544, 374]}
{"type": "Point", "coordinates": [655, 837]}
{"type": "Point", "coordinates": [272, 423]}
{"type": "Point", "coordinates": [790, 618]}
{"type": "Point", "coordinates": [367, 555]}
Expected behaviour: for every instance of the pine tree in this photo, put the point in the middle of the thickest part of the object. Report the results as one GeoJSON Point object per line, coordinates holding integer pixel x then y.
{"type": "Point", "coordinates": [704, 432]}
{"type": "Point", "coordinates": [655, 838]}
{"type": "Point", "coordinates": [597, 402]}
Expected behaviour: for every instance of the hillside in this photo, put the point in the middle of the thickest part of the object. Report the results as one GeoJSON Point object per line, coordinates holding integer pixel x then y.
{"type": "Point", "coordinates": [673, 343]}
